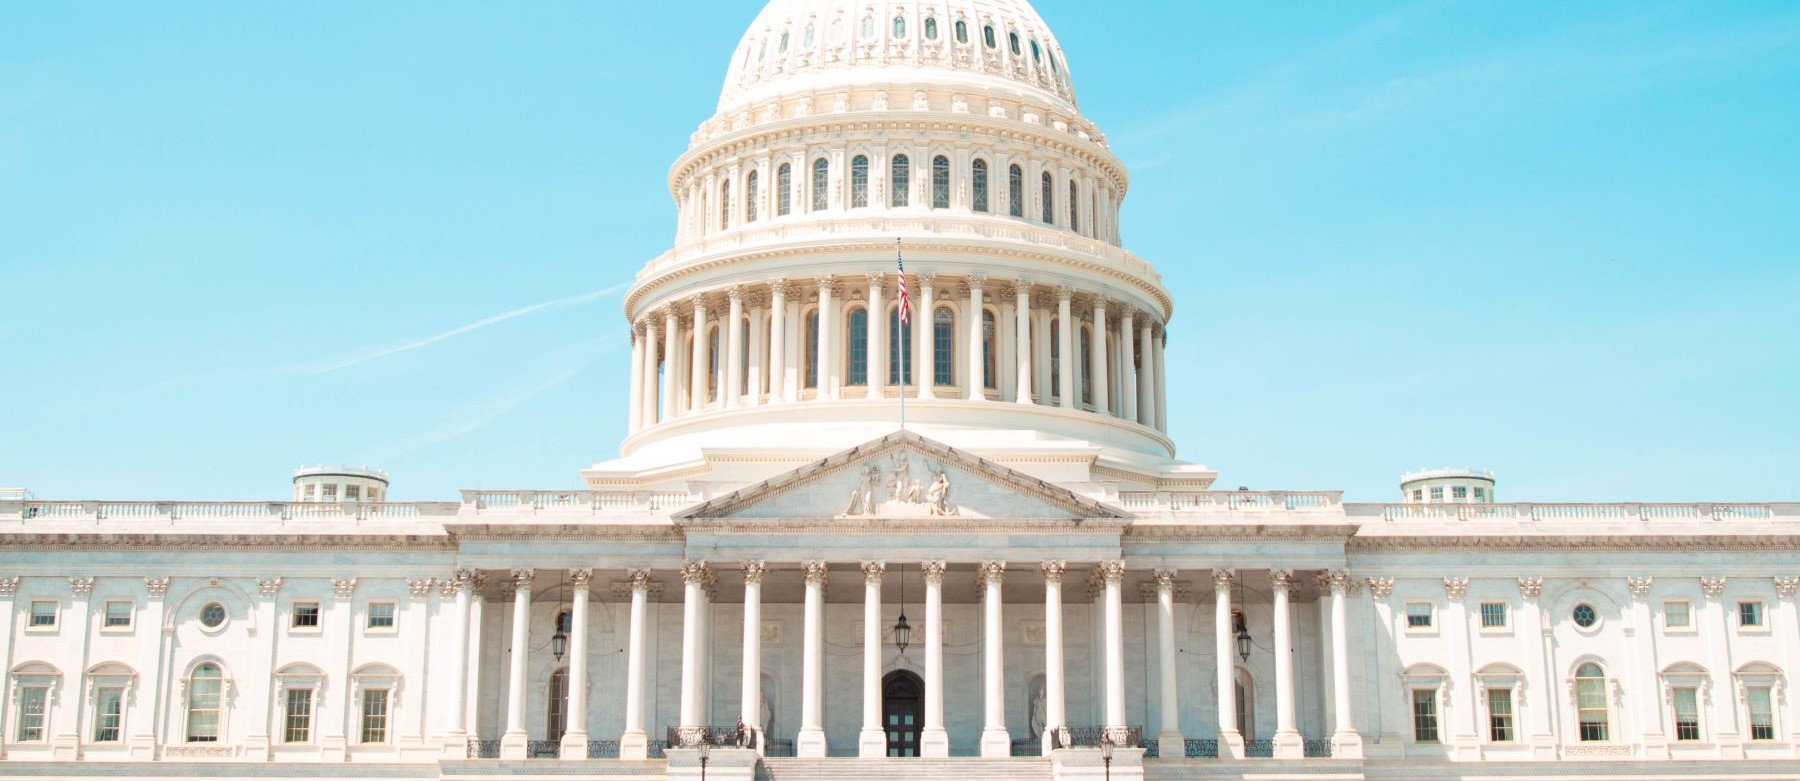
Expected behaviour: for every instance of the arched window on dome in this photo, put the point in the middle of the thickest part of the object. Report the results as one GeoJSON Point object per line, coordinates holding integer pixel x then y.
{"type": "Point", "coordinates": [784, 189]}
{"type": "Point", "coordinates": [784, 43]}
{"type": "Point", "coordinates": [1055, 359]}
{"type": "Point", "coordinates": [930, 28]}
{"type": "Point", "coordinates": [943, 347]}
{"type": "Point", "coordinates": [900, 343]}
{"type": "Point", "coordinates": [979, 184]}
{"type": "Point", "coordinates": [724, 205]}
{"type": "Point", "coordinates": [1049, 199]}
{"type": "Point", "coordinates": [837, 31]}
{"type": "Point", "coordinates": [1037, 54]}
{"type": "Point", "coordinates": [868, 27]}
{"type": "Point", "coordinates": [762, 51]}
{"type": "Point", "coordinates": [205, 693]}
{"type": "Point", "coordinates": [1015, 191]}
{"type": "Point", "coordinates": [1013, 41]}
{"type": "Point", "coordinates": [712, 358]}
{"type": "Point", "coordinates": [899, 27]}
{"type": "Point", "coordinates": [990, 376]}
{"type": "Point", "coordinates": [1085, 367]}
{"type": "Point", "coordinates": [962, 31]}
{"type": "Point", "coordinates": [859, 182]}
{"type": "Point", "coordinates": [752, 192]}
{"type": "Point", "coordinates": [856, 348]}
{"type": "Point", "coordinates": [821, 184]}
{"type": "Point", "coordinates": [806, 39]}
{"type": "Point", "coordinates": [812, 349]}
{"type": "Point", "coordinates": [899, 180]}
{"type": "Point", "coordinates": [940, 182]}
{"type": "Point", "coordinates": [1074, 209]}
{"type": "Point", "coordinates": [987, 36]}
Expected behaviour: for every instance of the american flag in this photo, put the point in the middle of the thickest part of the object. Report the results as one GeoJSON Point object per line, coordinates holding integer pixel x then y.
{"type": "Point", "coordinates": [905, 303]}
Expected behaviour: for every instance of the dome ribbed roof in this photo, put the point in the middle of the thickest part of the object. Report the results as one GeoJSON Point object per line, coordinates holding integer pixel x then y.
{"type": "Point", "coordinates": [817, 45]}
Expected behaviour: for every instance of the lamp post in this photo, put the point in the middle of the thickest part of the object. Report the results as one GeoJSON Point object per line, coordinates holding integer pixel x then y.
{"type": "Point", "coordinates": [1106, 748]}
{"type": "Point", "coordinates": [705, 754]}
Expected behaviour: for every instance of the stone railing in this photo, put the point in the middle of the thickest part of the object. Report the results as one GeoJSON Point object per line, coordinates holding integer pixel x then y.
{"type": "Point", "coordinates": [1231, 501]}
{"type": "Point", "coordinates": [1621, 512]}
{"type": "Point", "coordinates": [578, 501]}
{"type": "Point", "coordinates": [127, 514]}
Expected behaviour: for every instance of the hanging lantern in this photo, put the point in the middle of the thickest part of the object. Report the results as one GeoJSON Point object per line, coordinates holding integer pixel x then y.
{"type": "Point", "coordinates": [902, 630]}
{"type": "Point", "coordinates": [1243, 643]}
{"type": "Point", "coordinates": [559, 642]}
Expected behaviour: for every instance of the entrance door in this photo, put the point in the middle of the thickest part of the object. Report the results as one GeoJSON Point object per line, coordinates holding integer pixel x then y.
{"type": "Point", "coordinates": [903, 712]}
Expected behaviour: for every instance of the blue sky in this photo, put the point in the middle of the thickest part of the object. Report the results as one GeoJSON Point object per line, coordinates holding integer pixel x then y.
{"type": "Point", "coordinates": [1560, 240]}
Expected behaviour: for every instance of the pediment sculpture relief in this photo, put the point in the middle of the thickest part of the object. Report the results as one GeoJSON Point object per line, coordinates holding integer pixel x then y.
{"type": "Point", "coordinates": [900, 492]}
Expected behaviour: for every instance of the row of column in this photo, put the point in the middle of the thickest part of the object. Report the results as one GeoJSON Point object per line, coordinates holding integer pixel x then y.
{"type": "Point", "coordinates": [765, 351]}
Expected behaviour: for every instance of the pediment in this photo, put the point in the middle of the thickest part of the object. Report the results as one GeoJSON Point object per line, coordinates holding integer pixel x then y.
{"type": "Point", "coordinates": [903, 475]}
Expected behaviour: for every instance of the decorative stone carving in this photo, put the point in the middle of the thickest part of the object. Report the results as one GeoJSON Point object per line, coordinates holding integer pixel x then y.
{"type": "Point", "coordinates": [1787, 586]}
{"type": "Point", "coordinates": [1342, 583]}
{"type": "Point", "coordinates": [993, 570]}
{"type": "Point", "coordinates": [1165, 579]}
{"type": "Point", "coordinates": [735, 294]}
{"type": "Point", "coordinates": [1529, 588]}
{"type": "Point", "coordinates": [521, 578]}
{"type": "Point", "coordinates": [817, 572]}
{"type": "Point", "coordinates": [873, 570]}
{"type": "Point", "coordinates": [448, 587]}
{"type": "Point", "coordinates": [10, 586]}
{"type": "Point", "coordinates": [1053, 570]}
{"type": "Point", "coordinates": [81, 587]}
{"type": "Point", "coordinates": [639, 578]}
{"type": "Point", "coordinates": [1381, 588]}
{"type": "Point", "coordinates": [267, 588]}
{"type": "Point", "coordinates": [1712, 587]}
{"type": "Point", "coordinates": [156, 588]}
{"type": "Point", "coordinates": [1223, 579]}
{"type": "Point", "coordinates": [1111, 571]}
{"type": "Point", "coordinates": [754, 571]}
{"type": "Point", "coordinates": [1455, 588]}
{"type": "Point", "coordinates": [934, 571]}
{"type": "Point", "coordinates": [694, 573]}
{"type": "Point", "coordinates": [421, 587]}
{"type": "Point", "coordinates": [479, 581]}
{"type": "Point", "coordinates": [1639, 587]}
{"type": "Point", "coordinates": [343, 588]}
{"type": "Point", "coordinates": [581, 578]}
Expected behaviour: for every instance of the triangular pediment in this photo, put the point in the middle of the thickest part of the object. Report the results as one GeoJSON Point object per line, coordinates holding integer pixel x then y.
{"type": "Point", "coordinates": [903, 475]}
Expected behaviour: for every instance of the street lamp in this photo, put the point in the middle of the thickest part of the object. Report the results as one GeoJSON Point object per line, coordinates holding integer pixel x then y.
{"type": "Point", "coordinates": [1106, 747]}
{"type": "Point", "coordinates": [705, 754]}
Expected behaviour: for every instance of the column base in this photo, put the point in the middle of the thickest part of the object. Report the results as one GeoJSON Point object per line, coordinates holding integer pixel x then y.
{"type": "Point", "coordinates": [1167, 742]}
{"type": "Point", "coordinates": [634, 744]}
{"type": "Point", "coordinates": [996, 743]}
{"type": "Point", "coordinates": [1231, 745]}
{"type": "Point", "coordinates": [1346, 745]}
{"type": "Point", "coordinates": [810, 743]}
{"type": "Point", "coordinates": [514, 746]}
{"type": "Point", "coordinates": [574, 746]}
{"type": "Point", "coordinates": [934, 742]}
{"type": "Point", "coordinates": [871, 743]}
{"type": "Point", "coordinates": [456, 745]}
{"type": "Point", "coordinates": [1289, 745]}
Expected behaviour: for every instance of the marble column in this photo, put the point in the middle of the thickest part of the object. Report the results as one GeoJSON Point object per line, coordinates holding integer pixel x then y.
{"type": "Point", "coordinates": [575, 736]}
{"type": "Point", "coordinates": [456, 741]}
{"type": "Point", "coordinates": [1022, 340]}
{"type": "Point", "coordinates": [1065, 343]}
{"type": "Point", "coordinates": [877, 333]}
{"type": "Point", "coordinates": [635, 419]}
{"type": "Point", "coordinates": [1097, 356]}
{"type": "Point", "coordinates": [732, 388]}
{"type": "Point", "coordinates": [995, 742]}
{"type": "Point", "coordinates": [1148, 382]}
{"type": "Point", "coordinates": [1161, 391]}
{"type": "Point", "coordinates": [925, 339]}
{"type": "Point", "coordinates": [1722, 713]}
{"type": "Point", "coordinates": [756, 371]}
{"type": "Point", "coordinates": [650, 378]}
{"type": "Point", "coordinates": [1113, 572]}
{"type": "Point", "coordinates": [976, 384]}
{"type": "Point", "coordinates": [934, 741]}
{"type": "Point", "coordinates": [1644, 672]}
{"type": "Point", "coordinates": [1054, 688]}
{"type": "Point", "coordinates": [778, 358]}
{"type": "Point", "coordinates": [1128, 387]}
{"type": "Point", "coordinates": [1288, 742]}
{"type": "Point", "coordinates": [828, 351]}
{"type": "Point", "coordinates": [635, 742]}
{"type": "Point", "coordinates": [1169, 682]}
{"type": "Point", "coordinates": [1231, 740]}
{"type": "Point", "coordinates": [700, 363]}
{"type": "Point", "coordinates": [1346, 743]}
{"type": "Point", "coordinates": [811, 740]}
{"type": "Point", "coordinates": [671, 335]}
{"type": "Point", "coordinates": [1787, 628]}
{"type": "Point", "coordinates": [1458, 721]}
{"type": "Point", "coordinates": [693, 578]}
{"type": "Point", "coordinates": [513, 743]}
{"type": "Point", "coordinates": [750, 698]}
{"type": "Point", "coordinates": [873, 740]}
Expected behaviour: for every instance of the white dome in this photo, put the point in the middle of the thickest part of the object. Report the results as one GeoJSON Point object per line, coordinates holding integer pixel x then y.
{"type": "Point", "coordinates": [816, 45]}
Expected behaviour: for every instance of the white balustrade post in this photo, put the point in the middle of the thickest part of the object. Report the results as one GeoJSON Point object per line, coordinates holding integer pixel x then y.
{"type": "Point", "coordinates": [876, 349]}
{"type": "Point", "coordinates": [732, 390]}
{"type": "Point", "coordinates": [693, 578]}
{"type": "Point", "coordinates": [1231, 740]}
{"type": "Point", "coordinates": [811, 740]}
{"type": "Point", "coordinates": [750, 699]}
{"type": "Point", "coordinates": [634, 744]}
{"type": "Point", "coordinates": [925, 339]}
{"type": "Point", "coordinates": [670, 368]}
{"type": "Point", "coordinates": [1169, 683]}
{"type": "Point", "coordinates": [977, 359]}
{"type": "Point", "coordinates": [1097, 356]}
{"type": "Point", "coordinates": [575, 736]}
{"type": "Point", "coordinates": [934, 741]}
{"type": "Point", "coordinates": [1128, 407]}
{"type": "Point", "coordinates": [1288, 742]}
{"type": "Point", "coordinates": [777, 342]}
{"type": "Point", "coordinates": [1346, 743]}
{"type": "Point", "coordinates": [873, 740]}
{"type": "Point", "coordinates": [1022, 340]}
{"type": "Point", "coordinates": [513, 743]}
{"type": "Point", "coordinates": [995, 742]}
{"type": "Point", "coordinates": [1054, 712]}
{"type": "Point", "coordinates": [1065, 342]}
{"type": "Point", "coordinates": [1113, 572]}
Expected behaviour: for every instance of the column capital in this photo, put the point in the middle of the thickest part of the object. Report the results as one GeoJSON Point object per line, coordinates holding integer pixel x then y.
{"type": "Point", "coordinates": [1530, 588]}
{"type": "Point", "coordinates": [756, 300]}
{"type": "Point", "coordinates": [934, 571]}
{"type": "Point", "coordinates": [1281, 578]}
{"type": "Point", "coordinates": [457, 582]}
{"type": "Point", "coordinates": [1100, 303]}
{"type": "Point", "coordinates": [1064, 294]}
{"type": "Point", "coordinates": [977, 281]}
{"type": "Point", "coordinates": [420, 587]}
{"type": "Point", "coordinates": [778, 289]}
{"type": "Point", "coordinates": [81, 587]}
{"type": "Point", "coordinates": [694, 573]}
{"type": "Point", "coordinates": [1712, 587]}
{"type": "Point", "coordinates": [735, 294]}
{"type": "Point", "coordinates": [825, 282]}
{"type": "Point", "coordinates": [1342, 583]}
{"type": "Point", "coordinates": [754, 571]}
{"type": "Point", "coordinates": [1381, 587]}
{"type": "Point", "coordinates": [992, 571]}
{"type": "Point", "coordinates": [1053, 570]}
{"type": "Point", "coordinates": [1022, 287]}
{"type": "Point", "coordinates": [343, 588]}
{"type": "Point", "coordinates": [479, 581]}
{"type": "Point", "coordinates": [1455, 588]}
{"type": "Point", "coordinates": [873, 570]}
{"type": "Point", "coordinates": [698, 302]}
{"type": "Point", "coordinates": [1222, 579]}
{"type": "Point", "coordinates": [1127, 314]}
{"type": "Point", "coordinates": [667, 312]}
{"type": "Point", "coordinates": [639, 579]}
{"type": "Point", "coordinates": [1639, 587]}
{"type": "Point", "coordinates": [817, 572]}
{"type": "Point", "coordinates": [1111, 571]}
{"type": "Point", "coordinates": [877, 282]}
{"type": "Point", "coordinates": [1785, 587]}
{"type": "Point", "coordinates": [1165, 579]}
{"type": "Point", "coordinates": [639, 330]}
{"type": "Point", "coordinates": [581, 579]}
{"type": "Point", "coordinates": [10, 586]}
{"type": "Point", "coordinates": [267, 588]}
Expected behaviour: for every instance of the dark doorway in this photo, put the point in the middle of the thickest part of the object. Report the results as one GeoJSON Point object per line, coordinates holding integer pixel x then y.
{"type": "Point", "coordinates": [903, 712]}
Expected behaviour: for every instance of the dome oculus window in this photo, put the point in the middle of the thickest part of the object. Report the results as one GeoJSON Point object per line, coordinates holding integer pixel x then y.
{"type": "Point", "coordinates": [212, 615]}
{"type": "Point", "coordinates": [1585, 616]}
{"type": "Point", "coordinates": [962, 32]}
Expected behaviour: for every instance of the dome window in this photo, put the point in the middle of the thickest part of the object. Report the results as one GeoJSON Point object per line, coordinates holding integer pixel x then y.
{"type": "Point", "coordinates": [1036, 55]}
{"type": "Point", "coordinates": [1013, 40]}
{"type": "Point", "coordinates": [837, 31]}
{"type": "Point", "coordinates": [762, 52]}
{"type": "Point", "coordinates": [868, 27]}
{"type": "Point", "coordinates": [752, 193]}
{"type": "Point", "coordinates": [784, 185]}
{"type": "Point", "coordinates": [1053, 69]}
{"type": "Point", "coordinates": [940, 182]}
{"type": "Point", "coordinates": [821, 184]}
{"type": "Point", "coordinates": [806, 39]}
{"type": "Point", "coordinates": [931, 28]}
{"type": "Point", "coordinates": [782, 49]}
{"type": "Point", "coordinates": [1049, 196]}
{"type": "Point", "coordinates": [900, 174]}
{"type": "Point", "coordinates": [899, 27]}
{"type": "Point", "coordinates": [987, 34]}
{"type": "Point", "coordinates": [859, 182]}
{"type": "Point", "coordinates": [962, 31]}
{"type": "Point", "coordinates": [979, 173]}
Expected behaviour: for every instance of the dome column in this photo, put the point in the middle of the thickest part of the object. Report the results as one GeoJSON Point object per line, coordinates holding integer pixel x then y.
{"type": "Point", "coordinates": [1161, 391]}
{"type": "Point", "coordinates": [827, 360]}
{"type": "Point", "coordinates": [1097, 358]}
{"type": "Point", "coordinates": [777, 341]}
{"type": "Point", "coordinates": [1065, 341]}
{"type": "Point", "coordinates": [1022, 340]}
{"type": "Point", "coordinates": [925, 339]}
{"type": "Point", "coordinates": [977, 341]}
{"type": "Point", "coordinates": [700, 362]}
{"type": "Point", "coordinates": [635, 419]}
{"type": "Point", "coordinates": [877, 333]}
{"type": "Point", "coordinates": [754, 380]}
{"type": "Point", "coordinates": [1147, 384]}
{"type": "Point", "coordinates": [1128, 389]}
{"type": "Point", "coordinates": [671, 325]}
{"type": "Point", "coordinates": [734, 349]}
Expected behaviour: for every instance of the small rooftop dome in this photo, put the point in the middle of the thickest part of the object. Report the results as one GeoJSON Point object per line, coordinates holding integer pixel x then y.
{"type": "Point", "coordinates": [1448, 486]}
{"type": "Point", "coordinates": [339, 484]}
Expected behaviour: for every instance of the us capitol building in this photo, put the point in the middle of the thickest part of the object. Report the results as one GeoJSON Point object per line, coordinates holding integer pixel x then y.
{"type": "Point", "coordinates": [776, 580]}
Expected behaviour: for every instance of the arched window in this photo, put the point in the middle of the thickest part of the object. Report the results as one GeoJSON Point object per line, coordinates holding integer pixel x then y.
{"type": "Point", "coordinates": [990, 378]}
{"type": "Point", "coordinates": [556, 713]}
{"type": "Point", "coordinates": [784, 42]}
{"type": "Point", "coordinates": [987, 35]}
{"type": "Point", "coordinates": [205, 686]}
{"type": "Point", "coordinates": [1246, 704]}
{"type": "Point", "coordinates": [1013, 40]}
{"type": "Point", "coordinates": [979, 181]}
{"type": "Point", "coordinates": [1015, 191]}
{"type": "Point", "coordinates": [900, 345]}
{"type": "Point", "coordinates": [1036, 53]}
{"type": "Point", "coordinates": [868, 27]}
{"type": "Point", "coordinates": [930, 28]}
{"type": "Point", "coordinates": [940, 182]}
{"type": "Point", "coordinates": [1590, 702]}
{"type": "Point", "coordinates": [1074, 209]}
{"type": "Point", "coordinates": [752, 193]}
{"type": "Point", "coordinates": [943, 347]}
{"type": "Point", "coordinates": [899, 27]}
{"type": "Point", "coordinates": [1049, 199]}
{"type": "Point", "coordinates": [856, 348]}
{"type": "Point", "coordinates": [806, 40]}
{"type": "Point", "coordinates": [712, 359]}
{"type": "Point", "coordinates": [900, 179]}
{"type": "Point", "coordinates": [812, 349]}
{"type": "Point", "coordinates": [1055, 359]}
{"type": "Point", "coordinates": [724, 205]}
{"type": "Point", "coordinates": [821, 184]}
{"type": "Point", "coordinates": [1084, 367]}
{"type": "Point", "coordinates": [859, 182]}
{"type": "Point", "coordinates": [962, 31]}
{"type": "Point", "coordinates": [784, 188]}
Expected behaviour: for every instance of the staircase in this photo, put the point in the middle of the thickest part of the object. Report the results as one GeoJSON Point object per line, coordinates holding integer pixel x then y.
{"type": "Point", "coordinates": [910, 769]}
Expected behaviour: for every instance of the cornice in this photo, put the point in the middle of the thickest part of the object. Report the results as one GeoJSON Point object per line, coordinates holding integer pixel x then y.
{"type": "Point", "coordinates": [936, 526]}
{"type": "Point", "coordinates": [224, 540]}
{"type": "Point", "coordinates": [1152, 532]}
{"type": "Point", "coordinates": [655, 531]}
{"type": "Point", "coordinates": [1595, 542]}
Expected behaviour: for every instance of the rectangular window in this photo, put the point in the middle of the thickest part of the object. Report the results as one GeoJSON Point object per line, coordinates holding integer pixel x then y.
{"type": "Point", "coordinates": [328, 493]}
{"type": "Point", "coordinates": [1459, 492]}
{"type": "Point", "coordinates": [1418, 494]}
{"type": "Point", "coordinates": [1480, 494]}
{"type": "Point", "coordinates": [118, 614]}
{"type": "Point", "coordinates": [1687, 713]}
{"type": "Point", "coordinates": [352, 493]}
{"type": "Point", "coordinates": [1677, 615]}
{"type": "Point", "coordinates": [381, 615]}
{"type": "Point", "coordinates": [306, 615]}
{"type": "Point", "coordinates": [374, 715]}
{"type": "Point", "coordinates": [1750, 614]}
{"type": "Point", "coordinates": [1418, 615]}
{"type": "Point", "coordinates": [108, 704]}
{"type": "Point", "coordinates": [1424, 709]}
{"type": "Point", "coordinates": [1437, 493]}
{"type": "Point", "coordinates": [32, 701]}
{"type": "Point", "coordinates": [1762, 713]}
{"type": "Point", "coordinates": [1493, 615]}
{"type": "Point", "coordinates": [297, 725]}
{"type": "Point", "coordinates": [1500, 715]}
{"type": "Point", "coordinates": [43, 612]}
